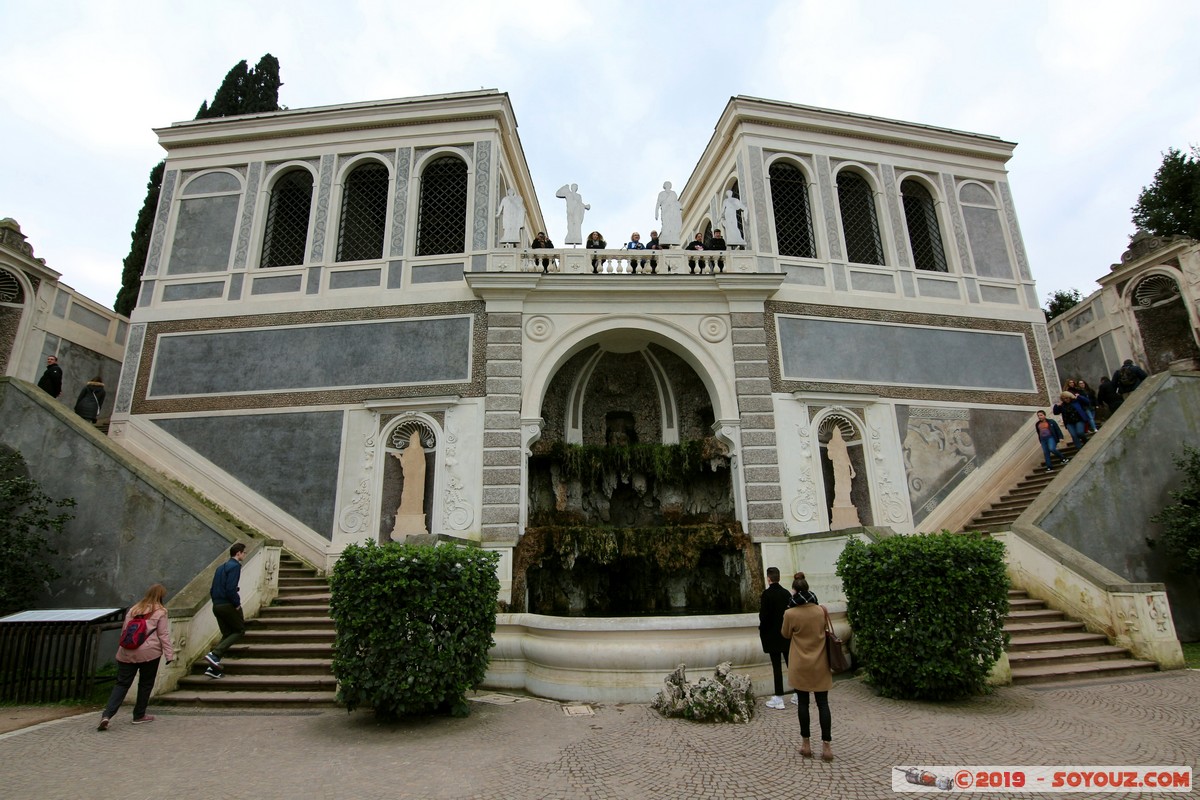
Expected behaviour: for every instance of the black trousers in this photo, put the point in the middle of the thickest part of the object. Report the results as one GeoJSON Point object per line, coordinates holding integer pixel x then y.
{"type": "Point", "coordinates": [777, 662]}
{"type": "Point", "coordinates": [145, 672]}
{"type": "Point", "coordinates": [232, 625]}
{"type": "Point", "coordinates": [822, 715]}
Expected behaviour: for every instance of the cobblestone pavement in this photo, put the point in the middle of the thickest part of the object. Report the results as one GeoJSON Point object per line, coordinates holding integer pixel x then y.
{"type": "Point", "coordinates": [532, 749]}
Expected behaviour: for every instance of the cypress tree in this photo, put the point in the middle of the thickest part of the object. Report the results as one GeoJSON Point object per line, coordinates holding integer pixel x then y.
{"type": "Point", "coordinates": [244, 91]}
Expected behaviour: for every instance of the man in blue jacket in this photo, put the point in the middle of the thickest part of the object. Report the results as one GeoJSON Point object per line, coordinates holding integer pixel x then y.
{"type": "Point", "coordinates": [227, 608]}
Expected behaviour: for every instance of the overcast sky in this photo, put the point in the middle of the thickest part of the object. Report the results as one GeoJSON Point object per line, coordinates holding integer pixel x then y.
{"type": "Point", "coordinates": [614, 96]}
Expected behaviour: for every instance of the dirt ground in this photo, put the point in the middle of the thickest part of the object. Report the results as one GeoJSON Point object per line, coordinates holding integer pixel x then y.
{"type": "Point", "coordinates": [14, 718]}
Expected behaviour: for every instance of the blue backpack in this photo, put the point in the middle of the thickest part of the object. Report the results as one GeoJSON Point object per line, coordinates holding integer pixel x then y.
{"type": "Point", "coordinates": [136, 632]}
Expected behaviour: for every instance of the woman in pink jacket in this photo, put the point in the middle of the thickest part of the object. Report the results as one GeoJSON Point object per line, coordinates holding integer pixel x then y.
{"type": "Point", "coordinates": [141, 661]}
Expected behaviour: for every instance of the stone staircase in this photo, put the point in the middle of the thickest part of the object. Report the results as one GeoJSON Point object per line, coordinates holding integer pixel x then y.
{"type": "Point", "coordinates": [284, 659]}
{"type": "Point", "coordinates": [1000, 515]}
{"type": "Point", "coordinates": [1046, 647]}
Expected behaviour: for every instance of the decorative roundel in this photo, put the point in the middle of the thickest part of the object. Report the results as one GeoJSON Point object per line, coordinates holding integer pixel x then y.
{"type": "Point", "coordinates": [1155, 289]}
{"type": "Point", "coordinates": [10, 288]}
{"type": "Point", "coordinates": [713, 329]}
{"type": "Point", "coordinates": [539, 328]}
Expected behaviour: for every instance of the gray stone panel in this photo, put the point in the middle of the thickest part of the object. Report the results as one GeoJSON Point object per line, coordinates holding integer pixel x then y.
{"type": "Point", "coordinates": [290, 459]}
{"type": "Point", "coordinates": [81, 315]}
{"type": "Point", "coordinates": [210, 290]}
{"type": "Point", "coordinates": [437, 273]}
{"type": "Point", "coordinates": [122, 329]}
{"type": "Point", "coordinates": [804, 275]}
{"type": "Point", "coordinates": [759, 455]}
{"type": "Point", "coordinates": [867, 352]}
{"type": "Point", "coordinates": [765, 510]}
{"type": "Point", "coordinates": [343, 355]}
{"type": "Point", "coordinates": [313, 284]}
{"type": "Point", "coordinates": [759, 404]}
{"type": "Point", "coordinates": [395, 274]}
{"type": "Point", "coordinates": [504, 386]}
{"type": "Point", "coordinates": [999, 294]}
{"type": "Point", "coordinates": [946, 290]}
{"type": "Point", "coordinates": [1086, 361]}
{"type": "Point", "coordinates": [501, 439]}
{"type": "Point", "coordinates": [758, 438]}
{"type": "Point", "coordinates": [61, 299]}
{"type": "Point", "coordinates": [751, 369]}
{"type": "Point", "coordinates": [750, 352]}
{"type": "Point", "coordinates": [751, 386]}
{"type": "Point", "coordinates": [501, 495]}
{"type": "Point", "coordinates": [758, 200]}
{"type": "Point", "coordinates": [988, 249]}
{"type": "Point", "coordinates": [276, 284]}
{"type": "Point", "coordinates": [839, 276]}
{"type": "Point", "coordinates": [501, 420]}
{"type": "Point", "coordinates": [165, 196]}
{"type": "Point", "coordinates": [872, 282]}
{"type": "Point", "coordinates": [400, 203]}
{"type": "Point", "coordinates": [235, 286]}
{"type": "Point", "coordinates": [502, 458]}
{"type": "Point", "coordinates": [755, 335]}
{"type": "Point", "coordinates": [504, 319]}
{"type": "Point", "coordinates": [906, 284]}
{"type": "Point", "coordinates": [774, 527]}
{"type": "Point", "coordinates": [499, 514]}
{"type": "Point", "coordinates": [972, 286]}
{"type": "Point", "coordinates": [504, 369]}
{"type": "Point", "coordinates": [747, 319]}
{"type": "Point", "coordinates": [504, 352]}
{"type": "Point", "coordinates": [243, 237]}
{"type": "Point", "coordinates": [355, 279]}
{"type": "Point", "coordinates": [203, 235]}
{"type": "Point", "coordinates": [761, 474]}
{"type": "Point", "coordinates": [763, 491]}
{"type": "Point", "coordinates": [502, 402]}
{"type": "Point", "coordinates": [483, 181]}
{"type": "Point", "coordinates": [146, 294]}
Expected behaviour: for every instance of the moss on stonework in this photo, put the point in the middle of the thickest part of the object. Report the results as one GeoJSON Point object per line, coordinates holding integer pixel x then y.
{"type": "Point", "coordinates": [667, 463]}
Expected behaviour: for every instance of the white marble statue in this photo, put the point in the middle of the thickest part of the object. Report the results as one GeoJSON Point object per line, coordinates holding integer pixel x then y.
{"type": "Point", "coordinates": [729, 221]}
{"type": "Point", "coordinates": [671, 216]}
{"type": "Point", "coordinates": [575, 209]}
{"type": "Point", "coordinates": [843, 514]}
{"type": "Point", "coordinates": [410, 516]}
{"type": "Point", "coordinates": [512, 217]}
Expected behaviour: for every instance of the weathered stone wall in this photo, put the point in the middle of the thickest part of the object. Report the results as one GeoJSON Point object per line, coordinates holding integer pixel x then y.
{"type": "Point", "coordinates": [131, 528]}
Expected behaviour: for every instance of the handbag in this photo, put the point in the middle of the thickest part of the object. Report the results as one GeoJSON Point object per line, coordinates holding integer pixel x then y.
{"type": "Point", "coordinates": [833, 647]}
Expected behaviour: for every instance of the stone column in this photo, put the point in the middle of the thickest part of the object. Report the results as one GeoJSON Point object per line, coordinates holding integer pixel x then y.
{"type": "Point", "coordinates": [759, 457]}
{"type": "Point", "coordinates": [502, 430]}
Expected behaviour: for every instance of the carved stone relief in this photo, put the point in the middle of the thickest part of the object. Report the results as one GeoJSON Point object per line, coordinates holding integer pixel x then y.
{"type": "Point", "coordinates": [355, 515]}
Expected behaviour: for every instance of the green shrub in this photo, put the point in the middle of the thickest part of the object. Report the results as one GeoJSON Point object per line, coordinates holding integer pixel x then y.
{"type": "Point", "coordinates": [1180, 520]}
{"type": "Point", "coordinates": [414, 626]}
{"type": "Point", "coordinates": [927, 612]}
{"type": "Point", "coordinates": [26, 515]}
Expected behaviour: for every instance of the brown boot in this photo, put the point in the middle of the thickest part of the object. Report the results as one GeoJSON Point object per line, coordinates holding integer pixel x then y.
{"type": "Point", "coordinates": [806, 748]}
{"type": "Point", "coordinates": [826, 751]}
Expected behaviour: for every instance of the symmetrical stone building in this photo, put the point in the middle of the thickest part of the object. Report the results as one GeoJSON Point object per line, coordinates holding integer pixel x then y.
{"type": "Point", "coordinates": [322, 283]}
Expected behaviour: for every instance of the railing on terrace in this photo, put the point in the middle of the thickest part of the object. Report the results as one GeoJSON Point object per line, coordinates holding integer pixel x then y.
{"type": "Point", "coordinates": [622, 262]}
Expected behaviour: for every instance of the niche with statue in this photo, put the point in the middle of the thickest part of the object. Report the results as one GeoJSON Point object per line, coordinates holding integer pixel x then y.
{"type": "Point", "coordinates": [408, 481]}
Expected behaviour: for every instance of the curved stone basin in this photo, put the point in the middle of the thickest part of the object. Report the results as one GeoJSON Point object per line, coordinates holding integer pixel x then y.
{"type": "Point", "coordinates": [624, 659]}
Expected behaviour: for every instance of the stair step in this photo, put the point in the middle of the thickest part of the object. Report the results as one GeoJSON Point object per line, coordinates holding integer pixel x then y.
{"type": "Point", "coordinates": [1044, 641]}
{"type": "Point", "coordinates": [303, 582]}
{"type": "Point", "coordinates": [1053, 626]}
{"type": "Point", "coordinates": [250, 665]}
{"type": "Point", "coordinates": [298, 636]}
{"type": "Point", "coordinates": [293, 610]}
{"type": "Point", "coordinates": [1023, 603]}
{"type": "Point", "coordinates": [1034, 614]}
{"type": "Point", "coordinates": [1066, 655]}
{"type": "Point", "coordinates": [303, 598]}
{"type": "Point", "coordinates": [282, 650]}
{"type": "Point", "coordinates": [1082, 670]}
{"type": "Point", "coordinates": [289, 622]}
{"type": "Point", "coordinates": [247, 699]}
{"type": "Point", "coordinates": [233, 682]}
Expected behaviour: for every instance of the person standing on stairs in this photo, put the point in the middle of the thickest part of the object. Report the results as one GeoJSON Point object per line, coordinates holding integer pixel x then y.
{"type": "Point", "coordinates": [1049, 434]}
{"type": "Point", "coordinates": [227, 608]}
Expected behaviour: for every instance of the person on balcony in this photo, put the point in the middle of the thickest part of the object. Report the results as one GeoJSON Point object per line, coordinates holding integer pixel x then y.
{"type": "Point", "coordinates": [717, 242]}
{"type": "Point", "coordinates": [596, 242]}
{"type": "Point", "coordinates": [696, 244]}
{"type": "Point", "coordinates": [635, 243]}
{"type": "Point", "coordinates": [542, 242]}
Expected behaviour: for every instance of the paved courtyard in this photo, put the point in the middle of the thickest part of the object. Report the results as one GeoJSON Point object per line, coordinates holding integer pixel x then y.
{"type": "Point", "coordinates": [532, 749]}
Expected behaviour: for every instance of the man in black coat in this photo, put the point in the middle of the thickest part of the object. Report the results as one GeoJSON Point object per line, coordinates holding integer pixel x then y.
{"type": "Point", "coordinates": [775, 600]}
{"type": "Point", "coordinates": [51, 380]}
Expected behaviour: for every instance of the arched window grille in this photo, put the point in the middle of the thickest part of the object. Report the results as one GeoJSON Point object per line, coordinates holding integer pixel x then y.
{"type": "Point", "coordinates": [793, 215]}
{"type": "Point", "coordinates": [442, 218]}
{"type": "Point", "coordinates": [287, 220]}
{"type": "Point", "coordinates": [860, 225]}
{"type": "Point", "coordinates": [364, 213]}
{"type": "Point", "coordinates": [924, 235]}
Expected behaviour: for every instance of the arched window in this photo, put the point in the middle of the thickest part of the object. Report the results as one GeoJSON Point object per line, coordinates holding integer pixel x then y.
{"type": "Point", "coordinates": [442, 217]}
{"type": "Point", "coordinates": [924, 236]}
{"type": "Point", "coordinates": [364, 213]}
{"type": "Point", "coordinates": [793, 214]}
{"type": "Point", "coordinates": [860, 225]}
{"type": "Point", "coordinates": [287, 220]}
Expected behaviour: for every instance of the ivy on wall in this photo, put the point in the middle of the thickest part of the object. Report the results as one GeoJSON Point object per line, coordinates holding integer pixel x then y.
{"type": "Point", "coordinates": [669, 463]}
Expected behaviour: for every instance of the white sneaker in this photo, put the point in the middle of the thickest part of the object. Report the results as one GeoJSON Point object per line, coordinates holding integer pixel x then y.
{"type": "Point", "coordinates": [776, 702]}
{"type": "Point", "coordinates": [795, 701]}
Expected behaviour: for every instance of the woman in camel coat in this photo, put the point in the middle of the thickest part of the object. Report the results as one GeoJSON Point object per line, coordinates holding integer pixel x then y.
{"type": "Point", "coordinates": [808, 665]}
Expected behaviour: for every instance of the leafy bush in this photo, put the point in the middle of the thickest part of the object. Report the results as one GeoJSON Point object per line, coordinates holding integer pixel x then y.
{"type": "Point", "coordinates": [26, 515]}
{"type": "Point", "coordinates": [927, 612]}
{"type": "Point", "coordinates": [414, 626]}
{"type": "Point", "coordinates": [1181, 520]}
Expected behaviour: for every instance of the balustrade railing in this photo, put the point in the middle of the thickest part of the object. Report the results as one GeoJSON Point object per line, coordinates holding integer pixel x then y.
{"type": "Point", "coordinates": [622, 262]}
